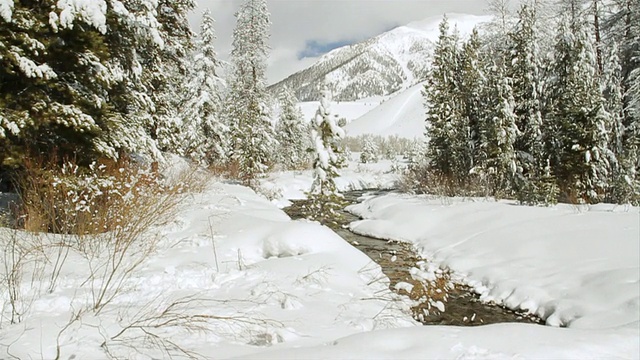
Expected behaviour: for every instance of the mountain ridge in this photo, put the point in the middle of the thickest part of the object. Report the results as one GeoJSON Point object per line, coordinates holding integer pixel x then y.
{"type": "Point", "coordinates": [382, 65]}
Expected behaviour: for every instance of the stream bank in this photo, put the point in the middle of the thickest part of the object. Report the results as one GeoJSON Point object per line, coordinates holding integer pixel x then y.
{"type": "Point", "coordinates": [401, 263]}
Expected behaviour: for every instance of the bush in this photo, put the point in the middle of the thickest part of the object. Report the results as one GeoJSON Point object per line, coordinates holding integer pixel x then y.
{"type": "Point", "coordinates": [69, 199]}
{"type": "Point", "coordinates": [107, 212]}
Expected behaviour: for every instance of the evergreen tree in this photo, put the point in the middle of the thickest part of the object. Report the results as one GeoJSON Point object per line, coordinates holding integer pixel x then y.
{"type": "Point", "coordinates": [524, 68]}
{"type": "Point", "coordinates": [370, 150]}
{"type": "Point", "coordinates": [497, 133]}
{"type": "Point", "coordinates": [53, 81]}
{"type": "Point", "coordinates": [622, 181]}
{"type": "Point", "coordinates": [292, 133]}
{"type": "Point", "coordinates": [324, 198]}
{"type": "Point", "coordinates": [168, 71]}
{"type": "Point", "coordinates": [471, 87]}
{"type": "Point", "coordinates": [204, 134]}
{"type": "Point", "coordinates": [444, 113]}
{"type": "Point", "coordinates": [247, 104]}
{"type": "Point", "coordinates": [148, 44]}
{"type": "Point", "coordinates": [83, 75]}
{"type": "Point", "coordinates": [580, 153]}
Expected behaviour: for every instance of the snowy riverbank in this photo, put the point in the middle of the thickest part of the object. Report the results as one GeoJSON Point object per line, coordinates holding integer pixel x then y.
{"type": "Point", "coordinates": [268, 287]}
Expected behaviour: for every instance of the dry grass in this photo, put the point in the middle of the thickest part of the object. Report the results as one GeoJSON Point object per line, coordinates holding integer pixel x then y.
{"type": "Point", "coordinates": [107, 212]}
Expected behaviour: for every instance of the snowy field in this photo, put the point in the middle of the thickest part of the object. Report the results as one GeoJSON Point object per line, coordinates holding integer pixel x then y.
{"type": "Point", "coordinates": [266, 287]}
{"type": "Point", "coordinates": [236, 262]}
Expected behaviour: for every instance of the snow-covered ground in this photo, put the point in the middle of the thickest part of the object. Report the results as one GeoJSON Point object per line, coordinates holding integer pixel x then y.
{"type": "Point", "coordinates": [256, 278]}
{"type": "Point", "coordinates": [572, 266]}
{"type": "Point", "coordinates": [269, 287]}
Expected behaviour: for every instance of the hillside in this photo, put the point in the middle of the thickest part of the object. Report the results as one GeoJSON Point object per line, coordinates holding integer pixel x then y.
{"type": "Point", "coordinates": [402, 115]}
{"type": "Point", "coordinates": [382, 65]}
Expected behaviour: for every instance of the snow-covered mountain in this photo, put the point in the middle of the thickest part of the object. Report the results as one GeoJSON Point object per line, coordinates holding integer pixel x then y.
{"type": "Point", "coordinates": [382, 65]}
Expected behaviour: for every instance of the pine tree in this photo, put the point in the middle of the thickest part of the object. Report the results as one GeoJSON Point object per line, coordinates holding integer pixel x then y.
{"type": "Point", "coordinates": [524, 68]}
{"type": "Point", "coordinates": [497, 133]}
{"type": "Point", "coordinates": [247, 104]}
{"type": "Point", "coordinates": [324, 198]}
{"type": "Point", "coordinates": [168, 70]}
{"type": "Point", "coordinates": [370, 150]}
{"type": "Point", "coordinates": [53, 81]}
{"type": "Point", "coordinates": [292, 133]}
{"type": "Point", "coordinates": [580, 153]}
{"type": "Point", "coordinates": [631, 140]}
{"type": "Point", "coordinates": [622, 180]}
{"type": "Point", "coordinates": [471, 87]}
{"type": "Point", "coordinates": [444, 113]}
{"type": "Point", "coordinates": [204, 134]}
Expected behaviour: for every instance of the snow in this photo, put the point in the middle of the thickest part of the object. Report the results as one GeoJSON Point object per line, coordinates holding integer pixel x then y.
{"type": "Point", "coordinates": [6, 10]}
{"type": "Point", "coordinates": [31, 70]}
{"type": "Point", "coordinates": [288, 283]}
{"type": "Point", "coordinates": [280, 289]}
{"type": "Point", "coordinates": [501, 341]}
{"type": "Point", "coordinates": [402, 115]}
{"type": "Point", "coordinates": [292, 185]}
{"type": "Point", "coordinates": [344, 109]}
{"type": "Point", "coordinates": [572, 266]}
{"type": "Point", "coordinates": [92, 12]}
{"type": "Point", "coordinates": [464, 23]}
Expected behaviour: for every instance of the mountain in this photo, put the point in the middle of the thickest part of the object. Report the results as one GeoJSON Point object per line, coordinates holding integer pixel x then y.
{"type": "Point", "coordinates": [379, 66]}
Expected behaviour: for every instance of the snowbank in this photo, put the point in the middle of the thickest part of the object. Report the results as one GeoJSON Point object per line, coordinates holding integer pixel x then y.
{"type": "Point", "coordinates": [500, 341]}
{"type": "Point", "coordinates": [257, 279]}
{"type": "Point", "coordinates": [572, 266]}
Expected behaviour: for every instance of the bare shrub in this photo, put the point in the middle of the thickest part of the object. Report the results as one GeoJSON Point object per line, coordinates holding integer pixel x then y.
{"type": "Point", "coordinates": [108, 212]}
{"type": "Point", "coordinates": [149, 326]}
{"type": "Point", "coordinates": [21, 256]}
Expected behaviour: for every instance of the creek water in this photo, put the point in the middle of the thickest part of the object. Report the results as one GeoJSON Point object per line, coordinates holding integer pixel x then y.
{"type": "Point", "coordinates": [462, 307]}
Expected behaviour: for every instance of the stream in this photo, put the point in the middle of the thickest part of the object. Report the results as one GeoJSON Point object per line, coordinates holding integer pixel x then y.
{"type": "Point", "coordinates": [399, 261]}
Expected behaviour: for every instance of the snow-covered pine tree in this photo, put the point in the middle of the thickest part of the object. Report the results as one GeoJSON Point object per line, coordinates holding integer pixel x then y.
{"type": "Point", "coordinates": [524, 68]}
{"type": "Point", "coordinates": [497, 133]}
{"type": "Point", "coordinates": [205, 136]}
{"type": "Point", "coordinates": [324, 198]}
{"type": "Point", "coordinates": [444, 111]}
{"type": "Point", "coordinates": [292, 133]}
{"type": "Point", "coordinates": [580, 153]}
{"type": "Point", "coordinates": [631, 139]}
{"type": "Point", "coordinates": [472, 82]}
{"type": "Point", "coordinates": [247, 104]}
{"type": "Point", "coordinates": [80, 74]}
{"type": "Point", "coordinates": [370, 150]}
{"type": "Point", "coordinates": [623, 182]}
{"type": "Point", "coordinates": [167, 73]}
{"type": "Point", "coordinates": [53, 80]}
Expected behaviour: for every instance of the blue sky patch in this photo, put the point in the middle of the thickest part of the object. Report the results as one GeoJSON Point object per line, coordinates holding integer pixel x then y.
{"type": "Point", "coordinates": [315, 48]}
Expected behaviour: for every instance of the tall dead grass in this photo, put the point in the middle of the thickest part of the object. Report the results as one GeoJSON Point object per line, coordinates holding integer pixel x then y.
{"type": "Point", "coordinates": [107, 212]}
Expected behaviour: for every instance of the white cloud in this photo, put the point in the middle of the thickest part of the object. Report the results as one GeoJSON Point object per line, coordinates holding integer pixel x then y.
{"type": "Point", "coordinates": [294, 22]}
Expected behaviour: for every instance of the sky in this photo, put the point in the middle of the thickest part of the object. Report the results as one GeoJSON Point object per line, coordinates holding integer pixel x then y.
{"type": "Point", "coordinates": [303, 30]}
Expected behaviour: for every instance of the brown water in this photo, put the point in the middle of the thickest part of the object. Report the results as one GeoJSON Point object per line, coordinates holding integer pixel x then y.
{"type": "Point", "coordinates": [462, 305]}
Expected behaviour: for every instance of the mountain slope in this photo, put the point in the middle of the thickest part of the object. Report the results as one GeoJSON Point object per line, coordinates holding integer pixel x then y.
{"type": "Point", "coordinates": [402, 115]}
{"type": "Point", "coordinates": [382, 65]}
